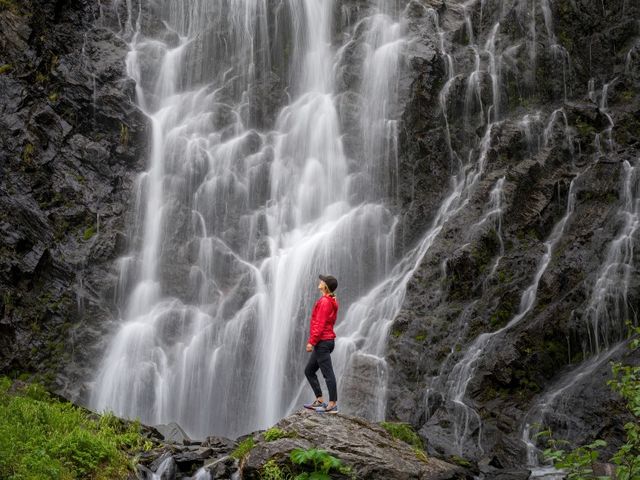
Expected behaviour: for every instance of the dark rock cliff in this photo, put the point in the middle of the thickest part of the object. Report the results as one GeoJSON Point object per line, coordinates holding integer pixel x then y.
{"type": "Point", "coordinates": [72, 142]}
{"type": "Point", "coordinates": [455, 294]}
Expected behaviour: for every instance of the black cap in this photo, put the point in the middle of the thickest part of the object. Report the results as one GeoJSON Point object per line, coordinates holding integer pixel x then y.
{"type": "Point", "coordinates": [331, 282]}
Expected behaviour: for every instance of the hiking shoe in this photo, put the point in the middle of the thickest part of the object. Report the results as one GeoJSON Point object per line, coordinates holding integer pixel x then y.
{"type": "Point", "coordinates": [326, 409]}
{"type": "Point", "coordinates": [316, 404]}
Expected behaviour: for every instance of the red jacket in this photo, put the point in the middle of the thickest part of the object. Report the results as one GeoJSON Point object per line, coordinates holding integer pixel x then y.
{"type": "Point", "coordinates": [323, 317]}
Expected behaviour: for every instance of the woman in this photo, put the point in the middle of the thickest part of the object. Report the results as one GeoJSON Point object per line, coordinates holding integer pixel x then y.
{"type": "Point", "coordinates": [320, 344]}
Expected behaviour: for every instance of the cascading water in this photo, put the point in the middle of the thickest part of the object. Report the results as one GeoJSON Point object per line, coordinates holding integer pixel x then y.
{"type": "Point", "coordinates": [234, 222]}
{"type": "Point", "coordinates": [269, 165]}
{"type": "Point", "coordinates": [608, 308]}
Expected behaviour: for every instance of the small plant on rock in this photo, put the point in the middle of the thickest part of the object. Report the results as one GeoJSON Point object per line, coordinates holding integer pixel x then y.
{"type": "Point", "coordinates": [321, 461]}
{"type": "Point", "coordinates": [403, 431]}
{"type": "Point", "coordinates": [272, 471]}
{"type": "Point", "coordinates": [276, 433]}
{"type": "Point", "coordinates": [243, 449]}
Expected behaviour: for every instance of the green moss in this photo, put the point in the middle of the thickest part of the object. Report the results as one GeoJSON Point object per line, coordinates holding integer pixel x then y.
{"type": "Point", "coordinates": [460, 461]}
{"type": "Point", "coordinates": [403, 431]}
{"type": "Point", "coordinates": [11, 5]}
{"type": "Point", "coordinates": [421, 337]}
{"type": "Point", "coordinates": [243, 449]}
{"type": "Point", "coordinates": [627, 95]}
{"type": "Point", "coordinates": [61, 228]}
{"type": "Point", "coordinates": [124, 135]}
{"type": "Point", "coordinates": [275, 433]}
{"type": "Point", "coordinates": [43, 437]}
{"type": "Point", "coordinates": [502, 314]}
{"type": "Point", "coordinates": [53, 97]}
{"type": "Point", "coordinates": [7, 299]}
{"type": "Point", "coordinates": [88, 233]}
{"type": "Point", "coordinates": [585, 129]}
{"type": "Point", "coordinates": [420, 454]}
{"type": "Point", "coordinates": [565, 40]}
{"type": "Point", "coordinates": [272, 471]}
{"type": "Point", "coordinates": [27, 153]}
{"type": "Point", "coordinates": [504, 276]}
{"type": "Point", "coordinates": [396, 333]}
{"type": "Point", "coordinates": [6, 68]}
{"type": "Point", "coordinates": [41, 78]}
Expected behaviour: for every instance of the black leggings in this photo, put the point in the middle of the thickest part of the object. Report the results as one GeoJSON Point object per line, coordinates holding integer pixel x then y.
{"type": "Point", "coordinates": [321, 359]}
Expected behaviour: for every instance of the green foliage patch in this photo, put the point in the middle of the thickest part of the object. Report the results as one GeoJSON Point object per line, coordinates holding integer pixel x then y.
{"type": "Point", "coordinates": [243, 449]}
{"type": "Point", "coordinates": [404, 432]}
{"type": "Point", "coordinates": [275, 433]}
{"type": "Point", "coordinates": [88, 233]}
{"type": "Point", "coordinates": [321, 461]}
{"type": "Point", "coordinates": [42, 437]}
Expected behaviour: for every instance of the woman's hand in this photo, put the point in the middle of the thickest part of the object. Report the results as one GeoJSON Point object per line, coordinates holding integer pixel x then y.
{"type": "Point", "coordinates": [309, 347]}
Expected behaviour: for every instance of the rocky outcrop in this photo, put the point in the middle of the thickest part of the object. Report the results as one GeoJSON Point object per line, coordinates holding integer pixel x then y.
{"type": "Point", "coordinates": [367, 451]}
{"type": "Point", "coordinates": [72, 143]}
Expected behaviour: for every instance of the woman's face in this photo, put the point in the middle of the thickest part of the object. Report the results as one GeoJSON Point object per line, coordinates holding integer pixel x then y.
{"type": "Point", "coordinates": [322, 286]}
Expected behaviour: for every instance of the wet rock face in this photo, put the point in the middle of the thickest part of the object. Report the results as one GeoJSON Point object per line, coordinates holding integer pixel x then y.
{"type": "Point", "coordinates": [72, 143]}
{"type": "Point", "coordinates": [568, 114]}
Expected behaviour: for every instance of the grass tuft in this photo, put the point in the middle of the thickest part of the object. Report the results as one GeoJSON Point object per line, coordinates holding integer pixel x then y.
{"type": "Point", "coordinates": [243, 449]}
{"type": "Point", "coordinates": [275, 433]}
{"type": "Point", "coordinates": [404, 432]}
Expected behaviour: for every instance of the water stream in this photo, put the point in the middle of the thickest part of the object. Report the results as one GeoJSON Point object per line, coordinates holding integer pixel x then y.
{"type": "Point", "coordinates": [237, 214]}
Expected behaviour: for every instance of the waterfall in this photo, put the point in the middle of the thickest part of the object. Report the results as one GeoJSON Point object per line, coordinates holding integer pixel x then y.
{"type": "Point", "coordinates": [248, 196]}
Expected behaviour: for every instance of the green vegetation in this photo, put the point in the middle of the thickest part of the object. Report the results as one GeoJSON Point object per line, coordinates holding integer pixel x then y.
{"type": "Point", "coordinates": [124, 135]}
{"type": "Point", "coordinates": [243, 449]}
{"type": "Point", "coordinates": [27, 153]}
{"type": "Point", "coordinates": [42, 437]}
{"type": "Point", "coordinates": [322, 463]}
{"type": "Point", "coordinates": [502, 314]}
{"type": "Point", "coordinates": [41, 78]}
{"type": "Point", "coordinates": [585, 129]}
{"type": "Point", "coordinates": [421, 337]}
{"type": "Point", "coordinates": [420, 455]}
{"type": "Point", "coordinates": [627, 95]}
{"type": "Point", "coordinates": [272, 471]}
{"type": "Point", "coordinates": [88, 233]}
{"type": "Point", "coordinates": [460, 461]}
{"type": "Point", "coordinates": [403, 431]}
{"type": "Point", "coordinates": [11, 5]}
{"type": "Point", "coordinates": [275, 433]}
{"type": "Point", "coordinates": [6, 68]}
{"type": "Point", "coordinates": [578, 463]}
{"type": "Point", "coordinates": [53, 97]}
